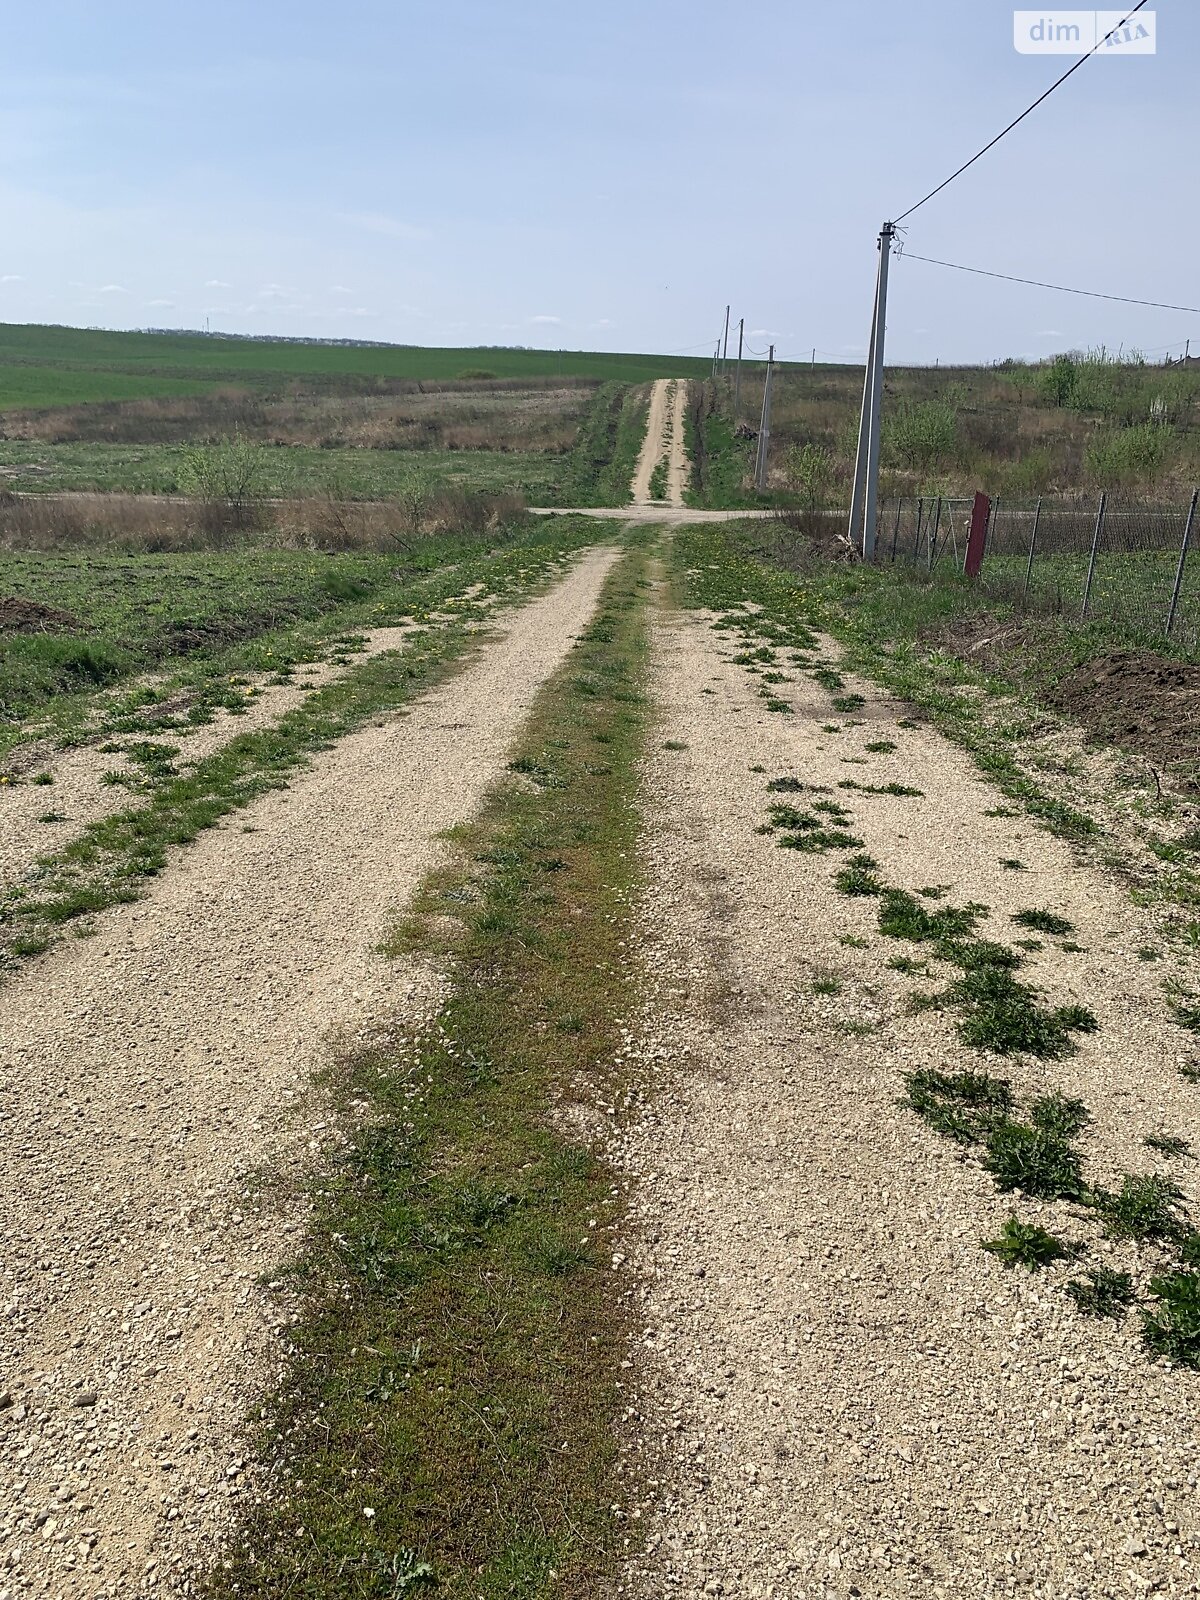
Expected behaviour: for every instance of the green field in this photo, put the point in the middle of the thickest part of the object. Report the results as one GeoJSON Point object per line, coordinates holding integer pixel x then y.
{"type": "Point", "coordinates": [50, 366]}
{"type": "Point", "coordinates": [288, 470]}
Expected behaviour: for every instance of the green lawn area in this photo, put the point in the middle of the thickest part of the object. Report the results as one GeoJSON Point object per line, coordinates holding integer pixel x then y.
{"type": "Point", "coordinates": [353, 474]}
{"type": "Point", "coordinates": [49, 366]}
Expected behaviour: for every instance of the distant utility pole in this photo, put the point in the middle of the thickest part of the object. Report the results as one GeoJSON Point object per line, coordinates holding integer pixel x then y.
{"type": "Point", "coordinates": [764, 431]}
{"type": "Point", "coordinates": [716, 358]}
{"type": "Point", "coordinates": [865, 501]}
{"type": "Point", "coordinates": [737, 375]}
{"type": "Point", "coordinates": [725, 346]}
{"type": "Point", "coordinates": [814, 359]}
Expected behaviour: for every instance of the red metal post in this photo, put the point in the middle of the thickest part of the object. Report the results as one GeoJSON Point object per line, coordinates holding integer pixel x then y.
{"type": "Point", "coordinates": [980, 513]}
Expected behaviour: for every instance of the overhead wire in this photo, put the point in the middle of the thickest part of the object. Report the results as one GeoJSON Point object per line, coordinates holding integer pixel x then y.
{"type": "Point", "coordinates": [991, 145]}
{"type": "Point", "coordinates": [1036, 283]}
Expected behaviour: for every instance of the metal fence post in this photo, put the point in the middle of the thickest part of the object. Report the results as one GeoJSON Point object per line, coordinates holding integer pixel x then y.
{"type": "Point", "coordinates": [1037, 517]}
{"type": "Point", "coordinates": [934, 531]}
{"type": "Point", "coordinates": [1183, 551]}
{"type": "Point", "coordinates": [1087, 588]}
{"type": "Point", "coordinates": [896, 526]}
{"type": "Point", "coordinates": [990, 532]}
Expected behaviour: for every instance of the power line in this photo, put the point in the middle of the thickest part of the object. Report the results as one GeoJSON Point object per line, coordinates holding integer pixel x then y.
{"type": "Point", "coordinates": [979, 154]}
{"type": "Point", "coordinates": [1035, 283]}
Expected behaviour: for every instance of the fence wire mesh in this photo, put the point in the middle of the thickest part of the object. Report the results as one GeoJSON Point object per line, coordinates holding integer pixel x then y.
{"type": "Point", "coordinates": [1112, 558]}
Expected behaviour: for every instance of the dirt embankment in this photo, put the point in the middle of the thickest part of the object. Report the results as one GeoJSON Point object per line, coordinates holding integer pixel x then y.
{"type": "Point", "coordinates": [1145, 703]}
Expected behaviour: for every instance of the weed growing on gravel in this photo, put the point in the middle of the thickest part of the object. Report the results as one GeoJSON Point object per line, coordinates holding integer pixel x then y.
{"type": "Point", "coordinates": [853, 941]}
{"type": "Point", "coordinates": [1011, 864]}
{"type": "Point", "coordinates": [1145, 1207]}
{"type": "Point", "coordinates": [846, 703]}
{"type": "Point", "coordinates": [881, 747]}
{"type": "Point", "coordinates": [1043, 921]}
{"type": "Point", "coordinates": [1102, 1292]}
{"type": "Point", "coordinates": [1168, 1144]}
{"type": "Point", "coordinates": [1061, 1116]}
{"type": "Point", "coordinates": [1189, 1070]}
{"type": "Point", "coordinates": [810, 830]}
{"type": "Point", "coordinates": [1024, 1244]}
{"type": "Point", "coordinates": [1185, 1008]}
{"type": "Point", "coordinates": [1024, 1156]}
{"type": "Point", "coordinates": [903, 790]}
{"type": "Point", "coordinates": [859, 877]}
{"type": "Point", "coordinates": [457, 1361]}
{"type": "Point", "coordinates": [1172, 1328]}
{"type": "Point", "coordinates": [965, 1106]}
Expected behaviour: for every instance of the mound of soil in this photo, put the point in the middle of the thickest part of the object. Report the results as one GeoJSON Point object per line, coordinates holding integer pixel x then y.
{"type": "Point", "coordinates": [27, 616]}
{"type": "Point", "coordinates": [1143, 702]}
{"type": "Point", "coordinates": [1140, 701]}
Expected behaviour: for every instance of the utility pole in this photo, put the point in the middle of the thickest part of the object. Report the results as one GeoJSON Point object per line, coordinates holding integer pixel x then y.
{"type": "Point", "coordinates": [764, 431]}
{"type": "Point", "coordinates": [716, 358]}
{"type": "Point", "coordinates": [814, 358]}
{"type": "Point", "coordinates": [866, 468]}
{"type": "Point", "coordinates": [737, 375]}
{"type": "Point", "coordinates": [725, 347]}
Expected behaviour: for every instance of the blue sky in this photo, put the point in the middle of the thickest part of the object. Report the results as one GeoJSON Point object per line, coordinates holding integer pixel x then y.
{"type": "Point", "coordinates": [601, 176]}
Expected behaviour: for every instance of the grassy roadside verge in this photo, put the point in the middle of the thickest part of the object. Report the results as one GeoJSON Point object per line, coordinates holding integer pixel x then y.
{"type": "Point", "coordinates": [717, 568]}
{"type": "Point", "coordinates": [603, 462]}
{"type": "Point", "coordinates": [449, 1414]}
{"type": "Point", "coordinates": [108, 863]}
{"type": "Point", "coordinates": [722, 463]}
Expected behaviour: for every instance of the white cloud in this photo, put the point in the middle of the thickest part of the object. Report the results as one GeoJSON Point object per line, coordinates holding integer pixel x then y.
{"type": "Point", "coordinates": [167, 304]}
{"type": "Point", "coordinates": [390, 227]}
{"type": "Point", "coordinates": [1050, 333]}
{"type": "Point", "coordinates": [112, 288]}
{"type": "Point", "coordinates": [217, 283]}
{"type": "Point", "coordinates": [339, 288]}
{"type": "Point", "coordinates": [544, 321]}
{"type": "Point", "coordinates": [12, 277]}
{"type": "Point", "coordinates": [357, 311]}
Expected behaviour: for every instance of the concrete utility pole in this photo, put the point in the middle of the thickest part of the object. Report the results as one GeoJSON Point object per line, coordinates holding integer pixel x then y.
{"type": "Point", "coordinates": [716, 358]}
{"type": "Point", "coordinates": [737, 375]}
{"type": "Point", "coordinates": [725, 346]}
{"type": "Point", "coordinates": [864, 505]}
{"type": "Point", "coordinates": [764, 431]}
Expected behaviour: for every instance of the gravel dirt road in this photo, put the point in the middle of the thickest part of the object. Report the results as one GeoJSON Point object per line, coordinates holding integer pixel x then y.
{"type": "Point", "coordinates": [664, 438]}
{"type": "Point", "coordinates": [149, 1074]}
{"type": "Point", "coordinates": [842, 1394]}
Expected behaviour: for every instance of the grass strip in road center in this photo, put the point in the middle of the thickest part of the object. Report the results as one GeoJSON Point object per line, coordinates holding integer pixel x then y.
{"type": "Point", "coordinates": [449, 1414]}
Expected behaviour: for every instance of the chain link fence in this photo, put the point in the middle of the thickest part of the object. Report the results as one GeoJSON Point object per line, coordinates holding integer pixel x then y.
{"type": "Point", "coordinates": [1122, 560]}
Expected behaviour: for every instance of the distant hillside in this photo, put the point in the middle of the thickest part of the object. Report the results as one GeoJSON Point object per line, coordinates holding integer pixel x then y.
{"type": "Point", "coordinates": [54, 366]}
